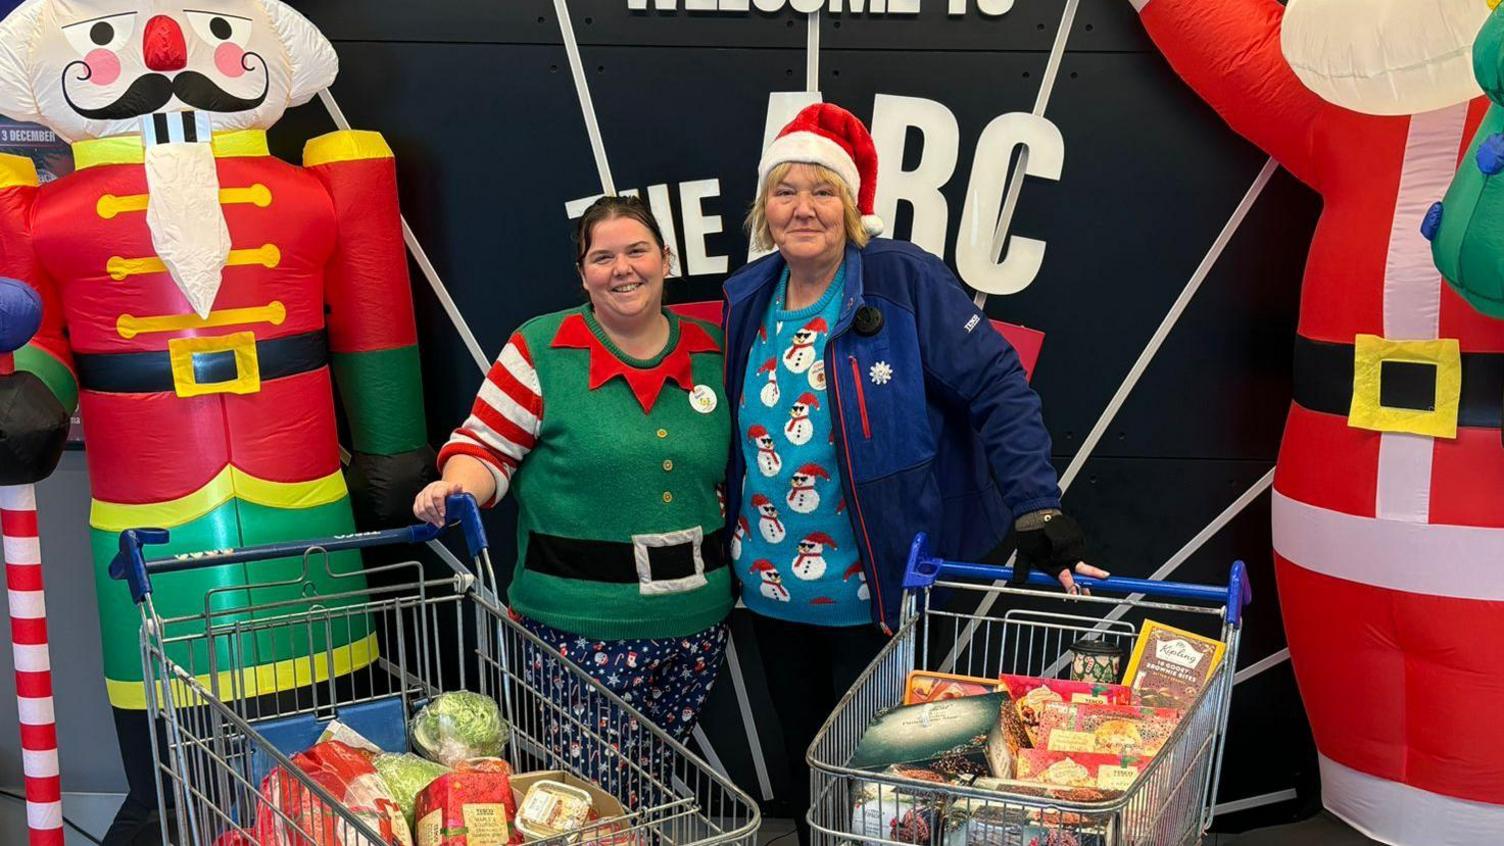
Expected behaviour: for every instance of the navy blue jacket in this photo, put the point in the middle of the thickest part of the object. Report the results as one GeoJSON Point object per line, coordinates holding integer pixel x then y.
{"type": "Point", "coordinates": [950, 443]}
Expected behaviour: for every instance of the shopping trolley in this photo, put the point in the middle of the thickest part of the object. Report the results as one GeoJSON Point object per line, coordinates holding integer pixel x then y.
{"type": "Point", "coordinates": [221, 716]}
{"type": "Point", "coordinates": [1170, 802]}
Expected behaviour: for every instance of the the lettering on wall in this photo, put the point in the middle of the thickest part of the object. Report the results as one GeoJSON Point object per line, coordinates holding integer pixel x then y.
{"type": "Point", "coordinates": [990, 8]}
{"type": "Point", "coordinates": [940, 145]}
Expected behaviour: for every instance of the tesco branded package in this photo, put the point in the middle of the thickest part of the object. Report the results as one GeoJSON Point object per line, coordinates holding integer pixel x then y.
{"type": "Point", "coordinates": [1113, 774]}
{"type": "Point", "coordinates": [471, 806]}
{"type": "Point", "coordinates": [1031, 695]}
{"type": "Point", "coordinates": [292, 815]}
{"type": "Point", "coordinates": [1119, 729]}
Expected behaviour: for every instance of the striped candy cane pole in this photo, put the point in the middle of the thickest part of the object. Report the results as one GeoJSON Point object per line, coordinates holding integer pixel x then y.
{"type": "Point", "coordinates": [28, 635]}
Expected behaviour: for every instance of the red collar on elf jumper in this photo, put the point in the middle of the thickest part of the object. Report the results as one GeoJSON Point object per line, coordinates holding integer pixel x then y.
{"type": "Point", "coordinates": [646, 382]}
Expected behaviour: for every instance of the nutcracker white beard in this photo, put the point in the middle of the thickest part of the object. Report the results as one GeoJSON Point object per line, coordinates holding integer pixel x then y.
{"type": "Point", "coordinates": [187, 224]}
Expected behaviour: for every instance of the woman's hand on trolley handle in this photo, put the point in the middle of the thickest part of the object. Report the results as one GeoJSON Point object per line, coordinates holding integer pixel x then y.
{"type": "Point", "coordinates": [1054, 543]}
{"type": "Point", "coordinates": [462, 474]}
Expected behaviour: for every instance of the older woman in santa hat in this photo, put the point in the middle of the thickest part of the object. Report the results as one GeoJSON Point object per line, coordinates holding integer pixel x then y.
{"type": "Point", "coordinates": [894, 408]}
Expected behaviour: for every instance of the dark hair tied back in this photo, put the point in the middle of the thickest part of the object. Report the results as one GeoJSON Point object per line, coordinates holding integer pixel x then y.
{"type": "Point", "coordinates": [608, 208]}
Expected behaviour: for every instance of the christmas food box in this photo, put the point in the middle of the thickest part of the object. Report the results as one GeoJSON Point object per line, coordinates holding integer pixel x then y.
{"type": "Point", "coordinates": [925, 686]}
{"type": "Point", "coordinates": [1031, 694]}
{"type": "Point", "coordinates": [471, 806]}
{"type": "Point", "coordinates": [1170, 666]}
{"type": "Point", "coordinates": [1006, 823]}
{"type": "Point", "coordinates": [1119, 729]}
{"type": "Point", "coordinates": [1105, 771]}
{"type": "Point", "coordinates": [603, 806]}
{"type": "Point", "coordinates": [974, 735]}
{"type": "Point", "coordinates": [902, 814]}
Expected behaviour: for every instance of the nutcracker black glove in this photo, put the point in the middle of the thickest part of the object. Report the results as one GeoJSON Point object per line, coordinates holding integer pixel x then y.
{"type": "Point", "coordinates": [1054, 542]}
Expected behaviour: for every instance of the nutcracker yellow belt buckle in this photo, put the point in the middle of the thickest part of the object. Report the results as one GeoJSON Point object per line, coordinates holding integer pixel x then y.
{"type": "Point", "coordinates": [218, 364]}
{"type": "Point", "coordinates": [1406, 386]}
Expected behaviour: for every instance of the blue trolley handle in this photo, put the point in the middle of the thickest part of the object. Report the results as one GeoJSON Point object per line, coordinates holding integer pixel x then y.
{"type": "Point", "coordinates": [130, 563]}
{"type": "Point", "coordinates": [923, 570]}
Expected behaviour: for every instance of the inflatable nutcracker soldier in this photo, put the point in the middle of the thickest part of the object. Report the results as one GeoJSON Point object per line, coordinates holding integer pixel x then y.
{"type": "Point", "coordinates": [201, 299]}
{"type": "Point", "coordinates": [1388, 503]}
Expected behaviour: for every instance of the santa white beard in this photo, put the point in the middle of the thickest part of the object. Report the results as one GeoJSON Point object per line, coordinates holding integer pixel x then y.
{"type": "Point", "coordinates": [798, 358]}
{"type": "Point", "coordinates": [809, 567]}
{"type": "Point", "coordinates": [799, 430]}
{"type": "Point", "coordinates": [768, 463]}
{"type": "Point", "coordinates": [769, 394]}
{"type": "Point", "coordinates": [771, 528]}
{"type": "Point", "coordinates": [803, 500]}
{"type": "Point", "coordinates": [186, 222]}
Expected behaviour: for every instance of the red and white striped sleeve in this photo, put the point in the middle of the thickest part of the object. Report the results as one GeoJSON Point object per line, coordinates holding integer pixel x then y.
{"type": "Point", "coordinates": [504, 422]}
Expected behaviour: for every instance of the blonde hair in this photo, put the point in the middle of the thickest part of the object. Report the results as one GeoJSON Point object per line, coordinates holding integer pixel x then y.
{"type": "Point", "coordinates": [757, 218]}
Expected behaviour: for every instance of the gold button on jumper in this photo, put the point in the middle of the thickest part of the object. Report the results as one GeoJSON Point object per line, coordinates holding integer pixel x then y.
{"type": "Point", "coordinates": [667, 465]}
{"type": "Point", "coordinates": [662, 433]}
{"type": "Point", "coordinates": [668, 497]}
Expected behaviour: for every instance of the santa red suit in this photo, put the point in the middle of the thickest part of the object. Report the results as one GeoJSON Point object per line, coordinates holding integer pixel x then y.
{"type": "Point", "coordinates": [1388, 502]}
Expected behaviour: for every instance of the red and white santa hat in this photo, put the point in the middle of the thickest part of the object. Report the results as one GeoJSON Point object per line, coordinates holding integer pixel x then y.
{"type": "Point", "coordinates": [828, 135]}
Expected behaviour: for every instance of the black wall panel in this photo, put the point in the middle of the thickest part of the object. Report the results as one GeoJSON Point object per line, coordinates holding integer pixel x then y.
{"type": "Point", "coordinates": [477, 100]}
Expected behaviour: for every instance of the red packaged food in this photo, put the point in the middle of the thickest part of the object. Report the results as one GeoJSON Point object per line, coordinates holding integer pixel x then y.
{"type": "Point", "coordinates": [292, 815]}
{"type": "Point", "coordinates": [1113, 774]}
{"type": "Point", "coordinates": [1119, 729]}
{"type": "Point", "coordinates": [1031, 695]}
{"type": "Point", "coordinates": [472, 806]}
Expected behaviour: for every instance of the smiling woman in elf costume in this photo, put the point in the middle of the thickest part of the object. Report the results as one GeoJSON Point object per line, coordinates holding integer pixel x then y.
{"type": "Point", "coordinates": [607, 425]}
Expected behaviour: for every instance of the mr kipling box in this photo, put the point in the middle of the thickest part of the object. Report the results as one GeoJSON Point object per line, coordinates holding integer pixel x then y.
{"type": "Point", "coordinates": [974, 735]}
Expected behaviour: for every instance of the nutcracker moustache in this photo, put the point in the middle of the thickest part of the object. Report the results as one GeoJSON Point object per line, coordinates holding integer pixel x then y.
{"type": "Point", "coordinates": [1388, 502]}
{"type": "Point", "coordinates": [201, 300]}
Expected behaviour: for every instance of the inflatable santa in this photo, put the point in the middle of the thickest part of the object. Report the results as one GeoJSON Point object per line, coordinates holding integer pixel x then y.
{"type": "Point", "coordinates": [202, 299]}
{"type": "Point", "coordinates": [1388, 503]}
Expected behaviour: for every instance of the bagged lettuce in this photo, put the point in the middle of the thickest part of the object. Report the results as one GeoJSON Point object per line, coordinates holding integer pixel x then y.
{"type": "Point", "coordinates": [459, 725]}
{"type": "Point", "coordinates": [406, 775]}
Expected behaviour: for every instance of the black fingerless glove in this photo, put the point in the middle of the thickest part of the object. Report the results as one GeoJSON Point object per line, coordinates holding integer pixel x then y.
{"type": "Point", "coordinates": [1056, 544]}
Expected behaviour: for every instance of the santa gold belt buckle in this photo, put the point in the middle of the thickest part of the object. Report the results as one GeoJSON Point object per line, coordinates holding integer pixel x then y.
{"type": "Point", "coordinates": [1373, 356]}
{"type": "Point", "coordinates": [194, 358]}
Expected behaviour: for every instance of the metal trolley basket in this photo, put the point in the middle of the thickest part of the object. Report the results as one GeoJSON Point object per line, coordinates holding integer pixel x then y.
{"type": "Point", "coordinates": [214, 696]}
{"type": "Point", "coordinates": [1170, 802]}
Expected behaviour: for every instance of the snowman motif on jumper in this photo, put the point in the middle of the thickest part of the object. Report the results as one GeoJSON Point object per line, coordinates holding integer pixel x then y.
{"type": "Point", "coordinates": [769, 393]}
{"type": "Point", "coordinates": [802, 495]}
{"type": "Point", "coordinates": [767, 519]}
{"type": "Point", "coordinates": [801, 352]}
{"type": "Point", "coordinates": [861, 581]}
{"type": "Point", "coordinates": [772, 583]}
{"type": "Point", "coordinates": [768, 462]}
{"type": "Point", "coordinates": [799, 429]}
{"type": "Point", "coordinates": [738, 536]}
{"type": "Point", "coordinates": [809, 563]}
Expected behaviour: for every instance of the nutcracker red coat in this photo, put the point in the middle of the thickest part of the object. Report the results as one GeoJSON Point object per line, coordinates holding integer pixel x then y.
{"type": "Point", "coordinates": [202, 300]}
{"type": "Point", "coordinates": [1388, 503]}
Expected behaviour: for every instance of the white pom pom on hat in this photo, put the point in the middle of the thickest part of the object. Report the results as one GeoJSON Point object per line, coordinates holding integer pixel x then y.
{"type": "Point", "coordinates": [826, 134]}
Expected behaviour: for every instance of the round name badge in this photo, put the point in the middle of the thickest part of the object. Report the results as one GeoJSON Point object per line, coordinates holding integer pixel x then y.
{"type": "Point", "coordinates": [817, 376]}
{"type": "Point", "coordinates": [703, 399]}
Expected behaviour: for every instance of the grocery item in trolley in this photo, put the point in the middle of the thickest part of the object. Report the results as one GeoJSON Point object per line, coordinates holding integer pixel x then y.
{"type": "Point", "coordinates": [471, 806]}
{"type": "Point", "coordinates": [924, 686]}
{"type": "Point", "coordinates": [289, 814]}
{"type": "Point", "coordinates": [1119, 729]}
{"type": "Point", "coordinates": [1031, 694]}
{"type": "Point", "coordinates": [550, 808]}
{"type": "Point", "coordinates": [1112, 774]}
{"type": "Point", "coordinates": [458, 725]}
{"type": "Point", "coordinates": [973, 735]}
{"type": "Point", "coordinates": [406, 775]}
{"type": "Point", "coordinates": [1003, 825]}
{"type": "Point", "coordinates": [1096, 660]}
{"type": "Point", "coordinates": [904, 815]}
{"type": "Point", "coordinates": [1170, 666]}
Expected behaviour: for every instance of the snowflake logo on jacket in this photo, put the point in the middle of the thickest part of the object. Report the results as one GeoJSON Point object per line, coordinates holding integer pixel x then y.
{"type": "Point", "coordinates": [772, 583]}
{"type": "Point", "coordinates": [802, 495]}
{"type": "Point", "coordinates": [799, 430]}
{"type": "Point", "coordinates": [769, 393]}
{"type": "Point", "coordinates": [768, 462]}
{"type": "Point", "coordinates": [809, 563]}
{"type": "Point", "coordinates": [861, 580]}
{"type": "Point", "coordinates": [767, 519]}
{"type": "Point", "coordinates": [801, 352]}
{"type": "Point", "coordinates": [738, 536]}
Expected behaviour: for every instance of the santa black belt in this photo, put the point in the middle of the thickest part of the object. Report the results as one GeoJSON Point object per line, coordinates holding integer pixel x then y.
{"type": "Point", "coordinates": [1324, 382]}
{"type": "Point", "coordinates": [151, 372]}
{"type": "Point", "coordinates": [616, 563]}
